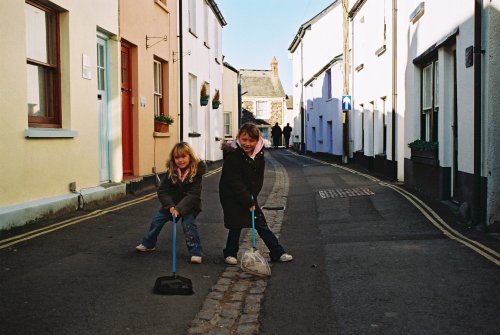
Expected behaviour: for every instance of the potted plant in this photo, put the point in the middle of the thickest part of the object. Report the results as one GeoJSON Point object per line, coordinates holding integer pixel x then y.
{"type": "Point", "coordinates": [162, 122]}
{"type": "Point", "coordinates": [204, 95]}
{"type": "Point", "coordinates": [216, 100]}
{"type": "Point", "coordinates": [424, 149]}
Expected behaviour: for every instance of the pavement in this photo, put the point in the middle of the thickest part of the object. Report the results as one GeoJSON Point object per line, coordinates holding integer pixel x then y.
{"type": "Point", "coordinates": [370, 258]}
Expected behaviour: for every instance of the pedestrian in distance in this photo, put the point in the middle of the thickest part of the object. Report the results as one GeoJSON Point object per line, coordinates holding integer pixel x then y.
{"type": "Point", "coordinates": [239, 186]}
{"type": "Point", "coordinates": [180, 196]}
{"type": "Point", "coordinates": [287, 131]}
{"type": "Point", "coordinates": [276, 134]}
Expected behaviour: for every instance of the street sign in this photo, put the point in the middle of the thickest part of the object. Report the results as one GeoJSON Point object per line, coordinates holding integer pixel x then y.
{"type": "Point", "coordinates": [346, 102]}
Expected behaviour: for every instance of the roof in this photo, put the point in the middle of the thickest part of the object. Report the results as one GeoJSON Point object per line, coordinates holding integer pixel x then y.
{"type": "Point", "coordinates": [302, 29]}
{"type": "Point", "coordinates": [248, 117]}
{"type": "Point", "coordinates": [217, 12]}
{"type": "Point", "coordinates": [261, 83]}
{"type": "Point", "coordinates": [229, 66]}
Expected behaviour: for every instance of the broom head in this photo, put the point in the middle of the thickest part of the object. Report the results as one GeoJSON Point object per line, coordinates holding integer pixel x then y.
{"type": "Point", "coordinates": [173, 285]}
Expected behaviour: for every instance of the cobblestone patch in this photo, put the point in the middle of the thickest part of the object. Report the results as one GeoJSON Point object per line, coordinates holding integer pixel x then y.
{"type": "Point", "coordinates": [233, 305]}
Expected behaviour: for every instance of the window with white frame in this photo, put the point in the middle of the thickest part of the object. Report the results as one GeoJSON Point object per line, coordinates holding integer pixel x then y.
{"type": "Point", "coordinates": [216, 39]}
{"type": "Point", "coordinates": [430, 102]}
{"type": "Point", "coordinates": [227, 124]}
{"type": "Point", "coordinates": [158, 88]}
{"type": "Point", "coordinates": [43, 68]}
{"type": "Point", "coordinates": [192, 16]}
{"type": "Point", "coordinates": [262, 109]}
{"type": "Point", "coordinates": [206, 23]}
{"type": "Point", "coordinates": [192, 105]}
{"type": "Point", "coordinates": [328, 84]}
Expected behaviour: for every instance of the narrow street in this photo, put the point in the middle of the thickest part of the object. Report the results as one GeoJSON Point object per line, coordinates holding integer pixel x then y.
{"type": "Point", "coordinates": [370, 258]}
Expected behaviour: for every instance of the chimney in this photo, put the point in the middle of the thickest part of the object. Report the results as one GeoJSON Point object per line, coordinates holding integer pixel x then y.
{"type": "Point", "coordinates": [274, 67]}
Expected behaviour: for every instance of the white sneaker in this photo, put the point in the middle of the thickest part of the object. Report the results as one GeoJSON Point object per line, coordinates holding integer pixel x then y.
{"type": "Point", "coordinates": [231, 260]}
{"type": "Point", "coordinates": [143, 248]}
{"type": "Point", "coordinates": [286, 258]}
{"type": "Point", "coordinates": [196, 259]}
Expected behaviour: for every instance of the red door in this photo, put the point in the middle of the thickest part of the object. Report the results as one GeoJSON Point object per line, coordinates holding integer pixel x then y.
{"type": "Point", "coordinates": [127, 121]}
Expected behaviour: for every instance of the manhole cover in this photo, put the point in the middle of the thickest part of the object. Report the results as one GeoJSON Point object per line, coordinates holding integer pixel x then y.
{"type": "Point", "coordinates": [344, 192]}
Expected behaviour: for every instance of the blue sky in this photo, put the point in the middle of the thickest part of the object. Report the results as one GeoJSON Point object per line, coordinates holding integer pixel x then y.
{"type": "Point", "coordinates": [257, 30]}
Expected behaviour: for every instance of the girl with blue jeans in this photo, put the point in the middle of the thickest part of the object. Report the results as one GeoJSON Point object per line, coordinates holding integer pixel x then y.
{"type": "Point", "coordinates": [180, 196]}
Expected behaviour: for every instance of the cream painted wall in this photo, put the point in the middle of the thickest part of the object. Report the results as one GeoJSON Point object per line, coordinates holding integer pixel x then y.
{"type": "Point", "coordinates": [230, 98]}
{"type": "Point", "coordinates": [136, 17]}
{"type": "Point", "coordinates": [41, 168]}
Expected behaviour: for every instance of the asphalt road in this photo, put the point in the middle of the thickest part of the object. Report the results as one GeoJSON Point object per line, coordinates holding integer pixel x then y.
{"type": "Point", "coordinates": [364, 264]}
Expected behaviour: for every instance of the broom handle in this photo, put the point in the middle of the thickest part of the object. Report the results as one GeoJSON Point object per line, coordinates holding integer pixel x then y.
{"type": "Point", "coordinates": [174, 238]}
{"type": "Point", "coordinates": [254, 245]}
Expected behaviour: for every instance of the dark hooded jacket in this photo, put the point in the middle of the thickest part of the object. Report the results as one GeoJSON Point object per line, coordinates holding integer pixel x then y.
{"type": "Point", "coordinates": [184, 196]}
{"type": "Point", "coordinates": [241, 179]}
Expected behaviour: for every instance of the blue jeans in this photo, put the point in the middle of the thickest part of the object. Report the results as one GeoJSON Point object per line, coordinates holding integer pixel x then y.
{"type": "Point", "coordinates": [188, 226]}
{"type": "Point", "coordinates": [233, 240]}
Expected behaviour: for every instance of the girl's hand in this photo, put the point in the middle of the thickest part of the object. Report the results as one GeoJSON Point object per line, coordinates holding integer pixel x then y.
{"type": "Point", "coordinates": [174, 212]}
{"type": "Point", "coordinates": [252, 208]}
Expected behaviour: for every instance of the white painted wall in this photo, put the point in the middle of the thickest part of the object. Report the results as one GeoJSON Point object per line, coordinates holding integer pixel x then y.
{"type": "Point", "coordinates": [201, 63]}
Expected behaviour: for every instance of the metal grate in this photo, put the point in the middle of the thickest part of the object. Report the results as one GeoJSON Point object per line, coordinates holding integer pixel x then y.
{"type": "Point", "coordinates": [344, 192]}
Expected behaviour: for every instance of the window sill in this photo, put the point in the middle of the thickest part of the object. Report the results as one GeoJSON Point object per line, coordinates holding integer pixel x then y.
{"type": "Point", "coordinates": [193, 33]}
{"type": "Point", "coordinates": [159, 134]}
{"type": "Point", "coordinates": [206, 45]}
{"type": "Point", "coordinates": [49, 133]}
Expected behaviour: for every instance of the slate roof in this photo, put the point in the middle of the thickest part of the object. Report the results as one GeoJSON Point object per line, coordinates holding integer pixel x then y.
{"type": "Point", "coordinates": [248, 117]}
{"type": "Point", "coordinates": [261, 83]}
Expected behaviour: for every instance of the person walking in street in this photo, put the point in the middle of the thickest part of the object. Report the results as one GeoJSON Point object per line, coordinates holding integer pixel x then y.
{"type": "Point", "coordinates": [276, 134]}
{"type": "Point", "coordinates": [287, 131]}
{"type": "Point", "coordinates": [180, 196]}
{"type": "Point", "coordinates": [240, 183]}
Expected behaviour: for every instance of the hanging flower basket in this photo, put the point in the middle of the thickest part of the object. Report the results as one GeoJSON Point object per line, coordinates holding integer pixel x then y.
{"type": "Point", "coordinates": [204, 95]}
{"type": "Point", "coordinates": [216, 100]}
{"type": "Point", "coordinates": [204, 101]}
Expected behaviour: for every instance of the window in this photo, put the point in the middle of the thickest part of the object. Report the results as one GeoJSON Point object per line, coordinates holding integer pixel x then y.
{"type": "Point", "coordinates": [216, 39]}
{"type": "Point", "coordinates": [192, 16]}
{"type": "Point", "coordinates": [158, 88]}
{"type": "Point", "coordinates": [227, 124]}
{"type": "Point", "coordinates": [193, 91]}
{"type": "Point", "coordinates": [262, 109]}
{"type": "Point", "coordinates": [205, 19]}
{"type": "Point", "coordinates": [430, 102]}
{"type": "Point", "coordinates": [320, 128]}
{"type": "Point", "coordinates": [43, 81]}
{"type": "Point", "coordinates": [328, 84]}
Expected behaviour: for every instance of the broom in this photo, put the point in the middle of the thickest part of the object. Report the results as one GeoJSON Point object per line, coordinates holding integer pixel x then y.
{"type": "Point", "coordinates": [252, 261]}
{"type": "Point", "coordinates": [174, 284]}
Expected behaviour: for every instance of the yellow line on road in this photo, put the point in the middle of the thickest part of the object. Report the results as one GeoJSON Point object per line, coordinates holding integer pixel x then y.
{"type": "Point", "coordinates": [5, 243]}
{"type": "Point", "coordinates": [432, 216]}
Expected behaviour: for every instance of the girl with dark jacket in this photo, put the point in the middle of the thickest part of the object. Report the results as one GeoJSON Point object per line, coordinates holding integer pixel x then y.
{"type": "Point", "coordinates": [180, 196]}
{"type": "Point", "coordinates": [240, 183]}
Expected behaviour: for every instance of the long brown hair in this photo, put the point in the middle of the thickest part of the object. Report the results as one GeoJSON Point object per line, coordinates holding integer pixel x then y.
{"type": "Point", "coordinates": [181, 149]}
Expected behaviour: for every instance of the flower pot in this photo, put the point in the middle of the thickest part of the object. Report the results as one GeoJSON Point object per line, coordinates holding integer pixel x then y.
{"type": "Point", "coordinates": [161, 127]}
{"type": "Point", "coordinates": [203, 101]}
{"type": "Point", "coordinates": [429, 157]}
{"type": "Point", "coordinates": [215, 104]}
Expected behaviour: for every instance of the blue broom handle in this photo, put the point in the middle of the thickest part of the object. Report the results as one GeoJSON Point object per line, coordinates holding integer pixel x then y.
{"type": "Point", "coordinates": [174, 238]}
{"type": "Point", "coordinates": [254, 244]}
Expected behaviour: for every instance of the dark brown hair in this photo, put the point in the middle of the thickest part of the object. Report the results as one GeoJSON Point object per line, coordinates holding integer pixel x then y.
{"type": "Point", "coordinates": [251, 130]}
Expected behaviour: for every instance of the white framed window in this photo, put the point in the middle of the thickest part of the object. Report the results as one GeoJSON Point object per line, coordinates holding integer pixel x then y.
{"type": "Point", "coordinates": [430, 102]}
{"type": "Point", "coordinates": [192, 105]}
{"type": "Point", "coordinates": [206, 23]}
{"type": "Point", "coordinates": [158, 88]}
{"type": "Point", "coordinates": [328, 84]}
{"type": "Point", "coordinates": [227, 124]}
{"type": "Point", "coordinates": [262, 109]}
{"type": "Point", "coordinates": [192, 16]}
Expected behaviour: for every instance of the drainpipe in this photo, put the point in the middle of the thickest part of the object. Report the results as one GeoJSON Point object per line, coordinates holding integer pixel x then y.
{"type": "Point", "coordinates": [181, 78]}
{"type": "Point", "coordinates": [478, 8]}
{"type": "Point", "coordinates": [394, 87]}
{"type": "Point", "coordinates": [302, 111]}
